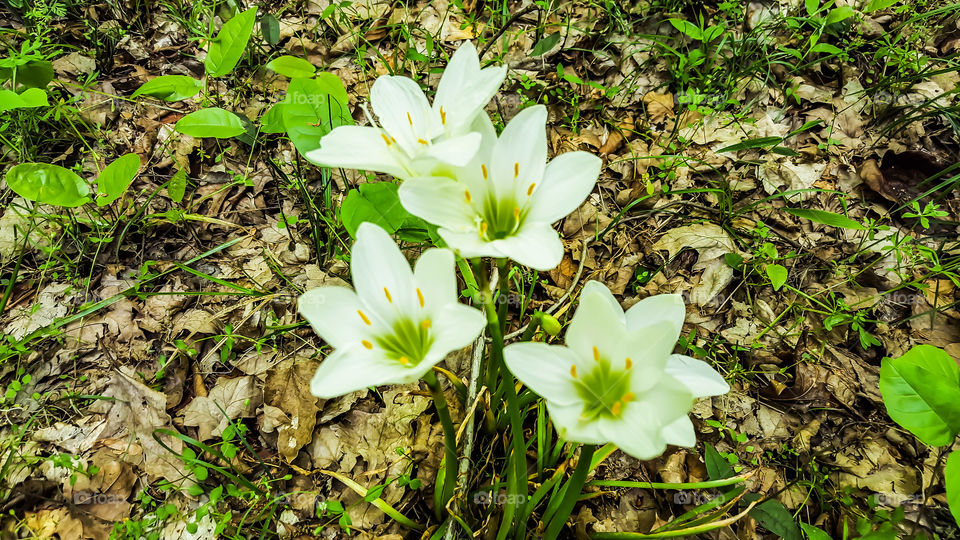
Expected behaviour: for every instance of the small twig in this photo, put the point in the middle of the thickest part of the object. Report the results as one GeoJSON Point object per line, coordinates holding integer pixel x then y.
{"type": "Point", "coordinates": [503, 29]}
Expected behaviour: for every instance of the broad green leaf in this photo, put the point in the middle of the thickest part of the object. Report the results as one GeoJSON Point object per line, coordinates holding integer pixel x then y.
{"type": "Point", "coordinates": [814, 533]}
{"type": "Point", "coordinates": [46, 183]}
{"type": "Point", "coordinates": [839, 14]}
{"type": "Point", "coordinates": [270, 28]}
{"type": "Point", "coordinates": [170, 87]}
{"type": "Point", "coordinates": [826, 48]}
{"type": "Point", "coordinates": [752, 143]}
{"type": "Point", "coordinates": [177, 186]}
{"type": "Point", "coordinates": [116, 177]}
{"type": "Point", "coordinates": [377, 203]}
{"type": "Point", "coordinates": [777, 275]}
{"type": "Point", "coordinates": [225, 50]}
{"type": "Point", "coordinates": [921, 391]}
{"type": "Point", "coordinates": [718, 468]}
{"type": "Point", "coordinates": [775, 518]}
{"type": "Point", "coordinates": [826, 218]}
{"type": "Point", "coordinates": [293, 67]}
{"type": "Point", "coordinates": [272, 121]}
{"type": "Point", "coordinates": [687, 28]}
{"type": "Point", "coordinates": [877, 5]}
{"type": "Point", "coordinates": [545, 44]}
{"type": "Point", "coordinates": [211, 122]}
{"type": "Point", "coordinates": [951, 476]}
{"type": "Point", "coordinates": [28, 99]}
{"type": "Point", "coordinates": [312, 108]}
{"type": "Point", "coordinates": [812, 6]}
{"type": "Point", "coordinates": [33, 74]}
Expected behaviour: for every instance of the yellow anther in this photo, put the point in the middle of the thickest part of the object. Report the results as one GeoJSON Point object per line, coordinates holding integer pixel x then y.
{"type": "Point", "coordinates": [516, 212]}
{"type": "Point", "coordinates": [530, 189]}
{"type": "Point", "coordinates": [367, 344]}
{"type": "Point", "coordinates": [466, 195]}
{"type": "Point", "coordinates": [483, 227]}
{"type": "Point", "coordinates": [443, 116]}
{"type": "Point", "coordinates": [628, 362]}
{"type": "Point", "coordinates": [617, 408]}
{"type": "Point", "coordinates": [628, 397]}
{"type": "Point", "coordinates": [410, 119]}
{"type": "Point", "coordinates": [573, 371]}
{"type": "Point", "coordinates": [421, 141]}
{"type": "Point", "coordinates": [404, 360]}
{"type": "Point", "coordinates": [364, 317]}
{"type": "Point", "coordinates": [425, 324]}
{"type": "Point", "coordinates": [516, 169]}
{"type": "Point", "coordinates": [596, 355]}
{"type": "Point", "coordinates": [420, 296]}
{"type": "Point", "coordinates": [386, 139]}
{"type": "Point", "coordinates": [387, 294]}
{"type": "Point", "coordinates": [483, 168]}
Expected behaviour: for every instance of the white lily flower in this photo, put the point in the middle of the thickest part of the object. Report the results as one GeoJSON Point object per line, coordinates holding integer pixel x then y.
{"type": "Point", "coordinates": [396, 326]}
{"type": "Point", "coordinates": [503, 202]}
{"type": "Point", "coordinates": [417, 138]}
{"type": "Point", "coordinates": [616, 379]}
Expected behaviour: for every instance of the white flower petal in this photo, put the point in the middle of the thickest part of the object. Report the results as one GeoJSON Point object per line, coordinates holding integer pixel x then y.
{"type": "Point", "coordinates": [357, 147]}
{"type": "Point", "coordinates": [653, 309]}
{"type": "Point", "coordinates": [436, 279]}
{"type": "Point", "coordinates": [333, 314]}
{"type": "Point", "coordinates": [454, 327]}
{"type": "Point", "coordinates": [597, 322]}
{"type": "Point", "coordinates": [535, 245]}
{"type": "Point", "coordinates": [468, 243]}
{"type": "Point", "coordinates": [457, 151]}
{"type": "Point", "coordinates": [441, 201]}
{"type": "Point", "coordinates": [701, 379]}
{"type": "Point", "coordinates": [464, 88]}
{"type": "Point", "coordinates": [520, 154]}
{"type": "Point", "coordinates": [545, 369]}
{"type": "Point", "coordinates": [568, 420]}
{"type": "Point", "coordinates": [403, 111]}
{"type": "Point", "coordinates": [567, 181]}
{"type": "Point", "coordinates": [352, 368]}
{"type": "Point", "coordinates": [638, 440]}
{"type": "Point", "coordinates": [648, 349]}
{"type": "Point", "coordinates": [381, 274]}
{"type": "Point", "coordinates": [680, 432]}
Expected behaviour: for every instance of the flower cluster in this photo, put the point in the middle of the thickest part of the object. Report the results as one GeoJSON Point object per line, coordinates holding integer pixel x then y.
{"type": "Point", "coordinates": [493, 196]}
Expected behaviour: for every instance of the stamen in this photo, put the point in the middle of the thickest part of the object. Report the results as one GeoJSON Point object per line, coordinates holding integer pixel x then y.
{"type": "Point", "coordinates": [483, 168]}
{"type": "Point", "coordinates": [516, 169]}
{"type": "Point", "coordinates": [466, 195]}
{"type": "Point", "coordinates": [425, 324]}
{"type": "Point", "coordinates": [404, 360]}
{"type": "Point", "coordinates": [421, 141]}
{"type": "Point", "coordinates": [420, 296]}
{"type": "Point", "coordinates": [617, 408]}
{"type": "Point", "coordinates": [516, 212]}
{"type": "Point", "coordinates": [387, 294]}
{"type": "Point", "coordinates": [443, 116]}
{"type": "Point", "coordinates": [410, 119]}
{"type": "Point", "coordinates": [628, 397]}
{"type": "Point", "coordinates": [483, 227]}
{"type": "Point", "coordinates": [596, 355]}
{"type": "Point", "coordinates": [386, 139]}
{"type": "Point", "coordinates": [364, 317]}
{"type": "Point", "coordinates": [530, 189]}
{"type": "Point", "coordinates": [367, 344]}
{"type": "Point", "coordinates": [573, 371]}
{"type": "Point", "coordinates": [629, 363]}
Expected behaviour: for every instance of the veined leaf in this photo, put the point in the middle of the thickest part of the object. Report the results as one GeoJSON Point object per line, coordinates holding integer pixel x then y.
{"type": "Point", "coordinates": [921, 391]}
{"type": "Point", "coordinates": [115, 178]}
{"type": "Point", "coordinates": [170, 87]}
{"type": "Point", "coordinates": [225, 50]}
{"type": "Point", "coordinates": [211, 122]}
{"type": "Point", "coordinates": [28, 99]}
{"type": "Point", "coordinates": [379, 204]}
{"type": "Point", "coordinates": [826, 218]}
{"type": "Point", "coordinates": [951, 475]}
{"type": "Point", "coordinates": [46, 183]}
{"type": "Point", "coordinates": [291, 66]}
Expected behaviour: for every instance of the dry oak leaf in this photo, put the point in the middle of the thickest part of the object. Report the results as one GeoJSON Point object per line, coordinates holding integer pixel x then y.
{"type": "Point", "coordinates": [659, 106]}
{"type": "Point", "coordinates": [288, 388]}
{"type": "Point", "coordinates": [712, 242]}
{"type": "Point", "coordinates": [237, 397]}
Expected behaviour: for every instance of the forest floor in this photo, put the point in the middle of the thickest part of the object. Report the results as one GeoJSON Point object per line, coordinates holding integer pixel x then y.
{"type": "Point", "coordinates": [789, 167]}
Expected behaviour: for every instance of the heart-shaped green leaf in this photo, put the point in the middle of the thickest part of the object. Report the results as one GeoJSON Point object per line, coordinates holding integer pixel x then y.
{"type": "Point", "coordinates": [921, 391]}
{"type": "Point", "coordinates": [291, 66]}
{"type": "Point", "coordinates": [48, 184]}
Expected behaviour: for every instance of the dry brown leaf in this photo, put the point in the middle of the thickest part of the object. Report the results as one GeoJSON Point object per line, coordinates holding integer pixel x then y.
{"type": "Point", "coordinates": [228, 400]}
{"type": "Point", "coordinates": [287, 388]}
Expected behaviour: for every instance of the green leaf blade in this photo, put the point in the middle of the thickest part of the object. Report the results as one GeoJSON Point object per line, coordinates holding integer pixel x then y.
{"type": "Point", "coordinates": [227, 48]}
{"type": "Point", "coordinates": [921, 391]}
{"type": "Point", "coordinates": [46, 183]}
{"type": "Point", "coordinates": [116, 178]}
{"type": "Point", "coordinates": [211, 122]}
{"type": "Point", "coordinates": [170, 88]}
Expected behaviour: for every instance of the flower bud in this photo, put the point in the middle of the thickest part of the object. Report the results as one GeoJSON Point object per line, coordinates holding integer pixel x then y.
{"type": "Point", "coordinates": [549, 323]}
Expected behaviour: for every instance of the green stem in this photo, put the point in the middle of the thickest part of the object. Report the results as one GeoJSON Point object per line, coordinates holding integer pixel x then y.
{"type": "Point", "coordinates": [518, 471]}
{"type": "Point", "coordinates": [449, 440]}
{"type": "Point", "coordinates": [572, 493]}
